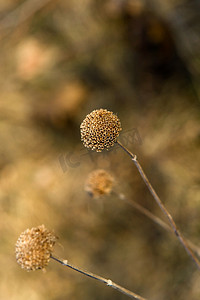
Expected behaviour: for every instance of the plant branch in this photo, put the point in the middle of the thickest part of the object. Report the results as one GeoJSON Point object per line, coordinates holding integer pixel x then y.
{"type": "Point", "coordinates": [145, 212]}
{"type": "Point", "coordinates": [108, 282]}
{"type": "Point", "coordinates": [161, 205]}
{"type": "Point", "coordinates": [154, 218]}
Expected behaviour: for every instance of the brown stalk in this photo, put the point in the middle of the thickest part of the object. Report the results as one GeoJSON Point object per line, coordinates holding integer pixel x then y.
{"type": "Point", "coordinates": [108, 282]}
{"type": "Point", "coordinates": [161, 205]}
{"type": "Point", "coordinates": [154, 218]}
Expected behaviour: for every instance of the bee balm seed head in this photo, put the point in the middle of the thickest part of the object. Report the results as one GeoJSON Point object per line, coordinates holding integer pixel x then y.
{"type": "Point", "coordinates": [34, 247]}
{"type": "Point", "coordinates": [100, 130]}
{"type": "Point", "coordinates": [99, 183]}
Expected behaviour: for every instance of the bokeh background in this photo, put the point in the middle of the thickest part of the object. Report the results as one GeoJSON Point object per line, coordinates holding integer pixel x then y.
{"type": "Point", "coordinates": [59, 60]}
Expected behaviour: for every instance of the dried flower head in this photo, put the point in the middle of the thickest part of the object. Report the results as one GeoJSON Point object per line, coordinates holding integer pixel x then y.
{"type": "Point", "coordinates": [34, 247]}
{"type": "Point", "coordinates": [100, 130]}
{"type": "Point", "coordinates": [98, 183]}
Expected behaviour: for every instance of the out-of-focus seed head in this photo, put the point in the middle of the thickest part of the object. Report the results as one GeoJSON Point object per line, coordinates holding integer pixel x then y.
{"type": "Point", "coordinates": [99, 183]}
{"type": "Point", "coordinates": [34, 247]}
{"type": "Point", "coordinates": [100, 130]}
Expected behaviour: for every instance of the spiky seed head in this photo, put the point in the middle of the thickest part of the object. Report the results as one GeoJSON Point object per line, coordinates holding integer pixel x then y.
{"type": "Point", "coordinates": [100, 130]}
{"type": "Point", "coordinates": [34, 247]}
{"type": "Point", "coordinates": [99, 183]}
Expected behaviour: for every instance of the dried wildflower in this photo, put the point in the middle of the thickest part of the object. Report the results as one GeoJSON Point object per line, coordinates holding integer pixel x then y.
{"type": "Point", "coordinates": [100, 130]}
{"type": "Point", "coordinates": [99, 182]}
{"type": "Point", "coordinates": [34, 247]}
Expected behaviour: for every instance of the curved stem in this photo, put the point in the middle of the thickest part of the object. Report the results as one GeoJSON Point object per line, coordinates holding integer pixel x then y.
{"type": "Point", "coordinates": [162, 207]}
{"type": "Point", "coordinates": [108, 282]}
{"type": "Point", "coordinates": [154, 218]}
{"type": "Point", "coordinates": [145, 212]}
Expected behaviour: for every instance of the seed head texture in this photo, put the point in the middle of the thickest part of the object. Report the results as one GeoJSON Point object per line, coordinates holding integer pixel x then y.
{"type": "Point", "coordinates": [99, 183]}
{"type": "Point", "coordinates": [34, 247]}
{"type": "Point", "coordinates": [100, 130]}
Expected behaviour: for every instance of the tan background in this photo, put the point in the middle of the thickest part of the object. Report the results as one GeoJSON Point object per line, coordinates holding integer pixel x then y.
{"type": "Point", "coordinates": [59, 61]}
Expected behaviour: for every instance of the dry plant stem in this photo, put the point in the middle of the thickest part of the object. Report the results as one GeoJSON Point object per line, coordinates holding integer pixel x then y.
{"type": "Point", "coordinates": [154, 218]}
{"type": "Point", "coordinates": [108, 282]}
{"type": "Point", "coordinates": [145, 212]}
{"type": "Point", "coordinates": [161, 205]}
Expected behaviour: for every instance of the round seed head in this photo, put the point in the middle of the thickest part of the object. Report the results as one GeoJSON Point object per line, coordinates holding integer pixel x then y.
{"type": "Point", "coordinates": [100, 130]}
{"type": "Point", "coordinates": [34, 247]}
{"type": "Point", "coordinates": [99, 183]}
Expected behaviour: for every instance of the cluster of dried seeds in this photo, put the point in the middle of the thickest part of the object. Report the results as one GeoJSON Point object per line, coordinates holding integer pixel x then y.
{"type": "Point", "coordinates": [34, 248]}
{"type": "Point", "coordinates": [99, 182]}
{"type": "Point", "coordinates": [100, 130]}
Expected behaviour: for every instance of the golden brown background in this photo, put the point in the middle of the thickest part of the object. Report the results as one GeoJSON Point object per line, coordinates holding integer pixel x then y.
{"type": "Point", "coordinates": [59, 60]}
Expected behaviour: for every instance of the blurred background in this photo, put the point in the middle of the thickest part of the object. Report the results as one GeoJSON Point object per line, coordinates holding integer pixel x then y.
{"type": "Point", "coordinates": [59, 60]}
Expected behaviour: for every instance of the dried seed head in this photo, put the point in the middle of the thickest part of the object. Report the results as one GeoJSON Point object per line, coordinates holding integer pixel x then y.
{"type": "Point", "coordinates": [98, 183]}
{"type": "Point", "coordinates": [100, 130]}
{"type": "Point", "coordinates": [34, 247]}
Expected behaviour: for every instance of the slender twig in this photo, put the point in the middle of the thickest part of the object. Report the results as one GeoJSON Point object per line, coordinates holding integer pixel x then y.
{"type": "Point", "coordinates": [161, 205]}
{"type": "Point", "coordinates": [108, 282]}
{"type": "Point", "coordinates": [154, 218]}
{"type": "Point", "coordinates": [145, 212]}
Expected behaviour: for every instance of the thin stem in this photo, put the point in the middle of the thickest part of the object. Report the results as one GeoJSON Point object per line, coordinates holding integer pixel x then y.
{"type": "Point", "coordinates": [145, 212]}
{"type": "Point", "coordinates": [108, 282]}
{"type": "Point", "coordinates": [154, 218]}
{"type": "Point", "coordinates": [162, 207]}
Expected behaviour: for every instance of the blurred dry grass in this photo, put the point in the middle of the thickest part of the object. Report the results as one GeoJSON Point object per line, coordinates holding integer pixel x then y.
{"type": "Point", "coordinates": [64, 60]}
